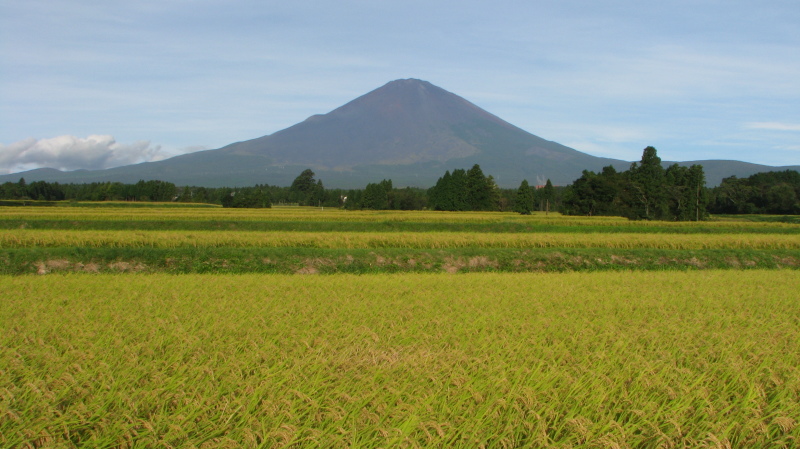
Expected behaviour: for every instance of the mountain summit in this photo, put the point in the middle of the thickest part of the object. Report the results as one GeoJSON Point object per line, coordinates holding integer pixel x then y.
{"type": "Point", "coordinates": [408, 130]}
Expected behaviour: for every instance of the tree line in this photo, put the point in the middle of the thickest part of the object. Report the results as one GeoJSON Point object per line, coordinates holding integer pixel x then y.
{"type": "Point", "coordinates": [96, 191]}
{"type": "Point", "coordinates": [646, 191]}
{"type": "Point", "coordinates": [481, 191]}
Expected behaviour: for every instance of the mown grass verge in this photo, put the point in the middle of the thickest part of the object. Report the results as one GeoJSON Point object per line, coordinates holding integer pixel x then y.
{"type": "Point", "coordinates": [767, 227]}
{"type": "Point", "coordinates": [384, 260]}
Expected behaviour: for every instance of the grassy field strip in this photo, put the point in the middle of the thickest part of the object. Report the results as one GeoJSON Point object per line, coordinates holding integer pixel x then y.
{"type": "Point", "coordinates": [291, 214]}
{"type": "Point", "coordinates": [24, 238]}
{"type": "Point", "coordinates": [313, 213]}
{"type": "Point", "coordinates": [289, 260]}
{"type": "Point", "coordinates": [337, 215]}
{"type": "Point", "coordinates": [507, 226]}
{"type": "Point", "coordinates": [644, 360]}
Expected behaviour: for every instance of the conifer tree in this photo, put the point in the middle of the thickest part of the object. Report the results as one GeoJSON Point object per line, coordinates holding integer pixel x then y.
{"type": "Point", "coordinates": [478, 192]}
{"type": "Point", "coordinates": [647, 187]}
{"type": "Point", "coordinates": [524, 199]}
{"type": "Point", "coordinates": [456, 190]}
{"type": "Point", "coordinates": [303, 187]}
{"type": "Point", "coordinates": [375, 197]}
{"type": "Point", "coordinates": [548, 195]}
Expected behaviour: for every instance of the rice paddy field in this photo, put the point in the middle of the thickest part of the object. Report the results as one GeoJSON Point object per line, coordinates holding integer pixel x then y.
{"type": "Point", "coordinates": [204, 327]}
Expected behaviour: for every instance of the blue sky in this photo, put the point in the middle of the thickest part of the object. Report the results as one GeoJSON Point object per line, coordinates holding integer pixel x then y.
{"type": "Point", "coordinates": [93, 84]}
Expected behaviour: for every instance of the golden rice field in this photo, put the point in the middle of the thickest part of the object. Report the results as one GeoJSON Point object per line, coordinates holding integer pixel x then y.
{"type": "Point", "coordinates": [640, 342]}
{"type": "Point", "coordinates": [23, 238]}
{"type": "Point", "coordinates": [300, 214]}
{"type": "Point", "coordinates": [607, 360]}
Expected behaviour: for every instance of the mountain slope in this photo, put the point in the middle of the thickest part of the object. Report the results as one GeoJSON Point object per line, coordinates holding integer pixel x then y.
{"type": "Point", "coordinates": [413, 122]}
{"type": "Point", "coordinates": [409, 131]}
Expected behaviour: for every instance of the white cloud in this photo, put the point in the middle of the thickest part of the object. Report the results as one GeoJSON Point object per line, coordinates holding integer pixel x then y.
{"type": "Point", "coordinates": [773, 126]}
{"type": "Point", "coordinates": [73, 153]}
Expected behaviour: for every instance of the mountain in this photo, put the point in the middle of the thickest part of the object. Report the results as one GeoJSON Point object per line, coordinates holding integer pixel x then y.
{"type": "Point", "coordinates": [408, 130]}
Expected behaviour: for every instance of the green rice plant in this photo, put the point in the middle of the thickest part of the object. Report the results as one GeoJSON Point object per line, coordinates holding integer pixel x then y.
{"type": "Point", "coordinates": [315, 214]}
{"type": "Point", "coordinates": [24, 238]}
{"type": "Point", "coordinates": [614, 359]}
{"type": "Point", "coordinates": [333, 220]}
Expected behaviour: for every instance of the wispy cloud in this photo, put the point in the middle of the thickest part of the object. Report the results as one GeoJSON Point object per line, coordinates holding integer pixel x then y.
{"type": "Point", "coordinates": [72, 153]}
{"type": "Point", "coordinates": [773, 126]}
{"type": "Point", "coordinates": [672, 75]}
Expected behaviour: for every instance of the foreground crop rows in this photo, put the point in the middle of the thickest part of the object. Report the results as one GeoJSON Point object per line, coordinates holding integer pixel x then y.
{"type": "Point", "coordinates": [640, 349]}
{"type": "Point", "coordinates": [651, 359]}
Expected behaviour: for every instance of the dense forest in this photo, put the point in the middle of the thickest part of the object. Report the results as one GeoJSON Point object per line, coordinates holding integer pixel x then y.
{"type": "Point", "coordinates": [646, 191]}
{"type": "Point", "coordinates": [762, 193]}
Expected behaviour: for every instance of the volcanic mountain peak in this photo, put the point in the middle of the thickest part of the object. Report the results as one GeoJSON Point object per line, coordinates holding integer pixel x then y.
{"type": "Point", "coordinates": [413, 97]}
{"type": "Point", "coordinates": [408, 99]}
{"type": "Point", "coordinates": [402, 122]}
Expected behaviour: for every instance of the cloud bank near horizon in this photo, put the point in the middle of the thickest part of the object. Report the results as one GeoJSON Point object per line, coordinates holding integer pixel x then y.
{"type": "Point", "coordinates": [67, 152]}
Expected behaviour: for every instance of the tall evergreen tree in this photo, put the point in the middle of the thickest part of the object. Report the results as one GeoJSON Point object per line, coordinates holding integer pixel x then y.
{"type": "Point", "coordinates": [494, 193]}
{"type": "Point", "coordinates": [524, 199]}
{"type": "Point", "coordinates": [698, 193]}
{"type": "Point", "coordinates": [647, 187]}
{"type": "Point", "coordinates": [457, 190]}
{"type": "Point", "coordinates": [438, 197]}
{"type": "Point", "coordinates": [478, 191]}
{"type": "Point", "coordinates": [676, 178]}
{"type": "Point", "coordinates": [305, 190]}
{"type": "Point", "coordinates": [686, 192]}
{"type": "Point", "coordinates": [548, 195]}
{"type": "Point", "coordinates": [387, 187]}
{"type": "Point", "coordinates": [317, 196]}
{"type": "Point", "coordinates": [375, 197]}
